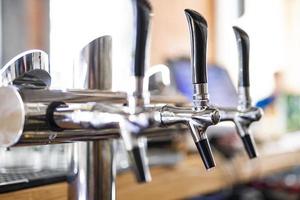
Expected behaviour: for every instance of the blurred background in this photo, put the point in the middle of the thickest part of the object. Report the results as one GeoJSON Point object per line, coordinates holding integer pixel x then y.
{"type": "Point", "coordinates": [62, 27]}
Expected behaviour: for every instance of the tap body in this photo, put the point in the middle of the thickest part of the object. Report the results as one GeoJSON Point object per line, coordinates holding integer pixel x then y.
{"type": "Point", "coordinates": [244, 114]}
{"type": "Point", "coordinates": [242, 121]}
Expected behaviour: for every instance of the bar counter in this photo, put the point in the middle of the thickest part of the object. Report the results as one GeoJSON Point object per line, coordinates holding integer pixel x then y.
{"type": "Point", "coordinates": [189, 178]}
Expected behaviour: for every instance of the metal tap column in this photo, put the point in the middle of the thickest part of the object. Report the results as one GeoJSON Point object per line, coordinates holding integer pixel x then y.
{"type": "Point", "coordinates": [92, 175]}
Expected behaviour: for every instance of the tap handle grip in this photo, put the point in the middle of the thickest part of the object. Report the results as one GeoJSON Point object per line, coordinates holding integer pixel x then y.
{"type": "Point", "coordinates": [243, 45]}
{"type": "Point", "coordinates": [205, 153]}
{"type": "Point", "coordinates": [249, 145]}
{"type": "Point", "coordinates": [198, 36]}
{"type": "Point", "coordinates": [140, 164]}
{"type": "Point", "coordinates": [142, 9]}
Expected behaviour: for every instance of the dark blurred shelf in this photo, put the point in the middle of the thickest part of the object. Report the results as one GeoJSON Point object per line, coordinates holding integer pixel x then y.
{"type": "Point", "coordinates": [18, 181]}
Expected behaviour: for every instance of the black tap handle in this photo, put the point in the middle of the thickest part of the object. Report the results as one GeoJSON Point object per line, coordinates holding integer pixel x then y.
{"type": "Point", "coordinates": [205, 153]}
{"type": "Point", "coordinates": [242, 40]}
{"type": "Point", "coordinates": [249, 145]}
{"type": "Point", "coordinates": [198, 34]}
{"type": "Point", "coordinates": [141, 167]}
{"type": "Point", "coordinates": [143, 11]}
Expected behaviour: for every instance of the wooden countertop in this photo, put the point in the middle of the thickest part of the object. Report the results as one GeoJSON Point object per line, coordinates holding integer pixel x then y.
{"type": "Point", "coordinates": [186, 179]}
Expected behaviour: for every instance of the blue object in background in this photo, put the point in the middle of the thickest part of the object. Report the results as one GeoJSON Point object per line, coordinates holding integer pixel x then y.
{"type": "Point", "coordinates": [264, 103]}
{"type": "Point", "coordinates": [221, 89]}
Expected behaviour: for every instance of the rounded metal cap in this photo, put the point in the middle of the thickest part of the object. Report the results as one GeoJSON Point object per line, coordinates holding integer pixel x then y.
{"type": "Point", "coordinates": [22, 64]}
{"type": "Point", "coordinates": [12, 117]}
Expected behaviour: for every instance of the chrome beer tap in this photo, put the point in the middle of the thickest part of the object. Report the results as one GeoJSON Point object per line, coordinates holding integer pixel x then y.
{"type": "Point", "coordinates": [137, 96]}
{"type": "Point", "coordinates": [201, 115]}
{"type": "Point", "coordinates": [33, 114]}
{"type": "Point", "coordinates": [245, 114]}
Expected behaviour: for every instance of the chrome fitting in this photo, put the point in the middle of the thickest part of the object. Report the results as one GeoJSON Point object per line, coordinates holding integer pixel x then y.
{"type": "Point", "coordinates": [244, 99]}
{"type": "Point", "coordinates": [200, 96]}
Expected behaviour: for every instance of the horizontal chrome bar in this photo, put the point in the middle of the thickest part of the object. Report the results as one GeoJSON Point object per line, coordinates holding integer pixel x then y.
{"type": "Point", "coordinates": [32, 124]}
{"type": "Point", "coordinates": [88, 95]}
{"type": "Point", "coordinates": [30, 138]}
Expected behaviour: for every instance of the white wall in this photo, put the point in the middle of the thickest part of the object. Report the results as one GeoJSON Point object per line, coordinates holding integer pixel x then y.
{"type": "Point", "coordinates": [74, 23]}
{"type": "Point", "coordinates": [264, 21]}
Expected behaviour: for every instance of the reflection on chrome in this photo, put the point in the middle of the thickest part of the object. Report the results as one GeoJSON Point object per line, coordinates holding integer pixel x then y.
{"type": "Point", "coordinates": [245, 114]}
{"type": "Point", "coordinates": [26, 67]}
{"type": "Point", "coordinates": [92, 116]}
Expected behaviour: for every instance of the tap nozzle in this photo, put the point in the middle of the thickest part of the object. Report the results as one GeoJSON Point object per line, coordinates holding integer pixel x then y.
{"type": "Point", "coordinates": [136, 146]}
{"type": "Point", "coordinates": [198, 125]}
{"type": "Point", "coordinates": [205, 153]}
{"type": "Point", "coordinates": [139, 161]}
{"type": "Point", "coordinates": [203, 146]}
{"type": "Point", "coordinates": [249, 145]}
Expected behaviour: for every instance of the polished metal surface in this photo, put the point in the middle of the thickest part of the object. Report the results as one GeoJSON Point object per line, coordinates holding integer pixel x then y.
{"type": "Point", "coordinates": [198, 37]}
{"type": "Point", "coordinates": [21, 68]}
{"type": "Point", "coordinates": [31, 117]}
{"type": "Point", "coordinates": [157, 69]}
{"type": "Point", "coordinates": [197, 119]}
{"type": "Point", "coordinates": [242, 120]}
{"type": "Point", "coordinates": [92, 175]}
{"type": "Point", "coordinates": [77, 120]}
{"type": "Point", "coordinates": [71, 96]}
{"type": "Point", "coordinates": [204, 117]}
{"type": "Point", "coordinates": [86, 113]}
{"type": "Point", "coordinates": [49, 137]}
{"type": "Point", "coordinates": [12, 116]}
{"type": "Point", "coordinates": [84, 120]}
{"type": "Point", "coordinates": [93, 169]}
{"type": "Point", "coordinates": [200, 96]}
{"type": "Point", "coordinates": [244, 98]}
{"type": "Point", "coordinates": [244, 114]}
{"type": "Point", "coordinates": [91, 70]}
{"type": "Point", "coordinates": [137, 95]}
{"type": "Point", "coordinates": [193, 118]}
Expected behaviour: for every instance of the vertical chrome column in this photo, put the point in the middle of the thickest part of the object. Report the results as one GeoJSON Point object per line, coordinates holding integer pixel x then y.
{"type": "Point", "coordinates": [92, 175]}
{"type": "Point", "coordinates": [93, 171]}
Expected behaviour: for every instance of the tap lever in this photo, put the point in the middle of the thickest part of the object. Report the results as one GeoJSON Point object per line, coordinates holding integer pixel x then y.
{"type": "Point", "coordinates": [198, 33]}
{"type": "Point", "coordinates": [143, 13]}
{"type": "Point", "coordinates": [249, 145]}
{"type": "Point", "coordinates": [242, 40]}
{"type": "Point", "coordinates": [205, 153]}
{"type": "Point", "coordinates": [198, 37]}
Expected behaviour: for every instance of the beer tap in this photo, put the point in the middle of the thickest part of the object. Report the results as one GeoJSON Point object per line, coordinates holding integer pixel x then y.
{"type": "Point", "coordinates": [44, 116]}
{"type": "Point", "coordinates": [201, 115]}
{"type": "Point", "coordinates": [137, 96]}
{"type": "Point", "coordinates": [245, 114]}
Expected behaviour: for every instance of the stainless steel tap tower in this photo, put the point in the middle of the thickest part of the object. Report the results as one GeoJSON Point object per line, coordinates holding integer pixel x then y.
{"type": "Point", "coordinates": [92, 168]}
{"type": "Point", "coordinates": [92, 116]}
